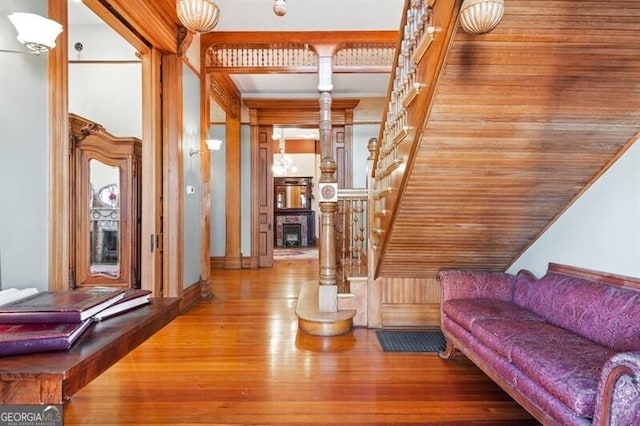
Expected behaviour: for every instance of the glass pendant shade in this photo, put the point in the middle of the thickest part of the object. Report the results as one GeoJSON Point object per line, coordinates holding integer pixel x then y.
{"type": "Point", "coordinates": [34, 31]}
{"type": "Point", "coordinates": [481, 16]}
{"type": "Point", "coordinates": [280, 7]}
{"type": "Point", "coordinates": [200, 16]}
{"type": "Point", "coordinates": [214, 144]}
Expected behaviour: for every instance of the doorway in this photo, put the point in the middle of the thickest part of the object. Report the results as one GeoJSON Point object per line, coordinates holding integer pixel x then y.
{"type": "Point", "coordinates": [267, 115]}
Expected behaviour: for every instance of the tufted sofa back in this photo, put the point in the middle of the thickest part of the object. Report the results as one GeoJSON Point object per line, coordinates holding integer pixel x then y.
{"type": "Point", "coordinates": [603, 313]}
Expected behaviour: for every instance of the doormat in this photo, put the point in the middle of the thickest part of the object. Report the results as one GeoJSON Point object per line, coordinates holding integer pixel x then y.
{"type": "Point", "coordinates": [411, 341]}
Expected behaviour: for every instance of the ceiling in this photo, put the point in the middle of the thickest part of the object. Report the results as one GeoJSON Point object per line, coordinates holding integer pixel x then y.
{"type": "Point", "coordinates": [302, 15]}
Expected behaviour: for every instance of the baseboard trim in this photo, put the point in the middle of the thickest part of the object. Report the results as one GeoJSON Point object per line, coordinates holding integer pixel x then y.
{"type": "Point", "coordinates": [245, 262]}
{"type": "Point", "coordinates": [217, 262]}
{"type": "Point", "coordinates": [191, 296]}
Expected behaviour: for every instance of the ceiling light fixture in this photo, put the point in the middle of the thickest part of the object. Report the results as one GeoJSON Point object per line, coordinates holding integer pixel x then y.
{"type": "Point", "coordinates": [481, 16]}
{"type": "Point", "coordinates": [280, 7]}
{"type": "Point", "coordinates": [200, 16]}
{"type": "Point", "coordinates": [282, 163]}
{"type": "Point", "coordinates": [36, 32]}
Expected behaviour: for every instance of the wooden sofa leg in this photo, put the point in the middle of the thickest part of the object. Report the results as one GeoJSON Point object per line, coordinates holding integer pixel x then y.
{"type": "Point", "coordinates": [449, 351]}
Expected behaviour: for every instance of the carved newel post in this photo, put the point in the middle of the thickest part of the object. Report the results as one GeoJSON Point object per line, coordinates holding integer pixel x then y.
{"type": "Point", "coordinates": [328, 186]}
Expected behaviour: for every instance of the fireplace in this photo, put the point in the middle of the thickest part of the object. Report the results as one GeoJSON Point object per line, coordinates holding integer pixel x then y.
{"type": "Point", "coordinates": [292, 234]}
{"type": "Point", "coordinates": [295, 229]}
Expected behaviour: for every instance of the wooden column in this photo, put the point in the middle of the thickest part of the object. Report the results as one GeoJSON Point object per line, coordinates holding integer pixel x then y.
{"type": "Point", "coordinates": [60, 248]}
{"type": "Point", "coordinates": [151, 239]}
{"type": "Point", "coordinates": [173, 169]}
{"type": "Point", "coordinates": [233, 258]}
{"type": "Point", "coordinates": [328, 185]}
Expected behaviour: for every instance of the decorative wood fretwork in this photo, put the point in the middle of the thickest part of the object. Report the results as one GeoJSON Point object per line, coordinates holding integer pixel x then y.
{"type": "Point", "coordinates": [225, 93]}
{"type": "Point", "coordinates": [298, 57]}
{"type": "Point", "coordinates": [372, 57]}
{"type": "Point", "coordinates": [279, 56]}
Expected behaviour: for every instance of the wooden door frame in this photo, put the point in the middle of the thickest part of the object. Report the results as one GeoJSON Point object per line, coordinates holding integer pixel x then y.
{"type": "Point", "coordinates": [291, 113]}
{"type": "Point", "coordinates": [59, 198]}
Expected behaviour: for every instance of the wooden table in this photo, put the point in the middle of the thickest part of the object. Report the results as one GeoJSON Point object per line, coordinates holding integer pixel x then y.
{"type": "Point", "coordinates": [52, 377]}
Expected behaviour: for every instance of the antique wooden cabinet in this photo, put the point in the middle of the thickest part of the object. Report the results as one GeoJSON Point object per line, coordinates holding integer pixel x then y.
{"type": "Point", "coordinates": [105, 207]}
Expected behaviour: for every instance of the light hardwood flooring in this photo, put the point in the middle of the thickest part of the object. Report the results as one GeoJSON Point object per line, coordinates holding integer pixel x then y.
{"type": "Point", "coordinates": [240, 359]}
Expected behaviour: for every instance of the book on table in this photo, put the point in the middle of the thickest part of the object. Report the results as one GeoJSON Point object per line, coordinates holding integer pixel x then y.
{"type": "Point", "coordinates": [67, 306]}
{"type": "Point", "coordinates": [133, 298]}
{"type": "Point", "coordinates": [12, 294]}
{"type": "Point", "coordinates": [18, 339]}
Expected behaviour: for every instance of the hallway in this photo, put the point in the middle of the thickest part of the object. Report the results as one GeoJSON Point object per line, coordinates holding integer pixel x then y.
{"type": "Point", "coordinates": [239, 359]}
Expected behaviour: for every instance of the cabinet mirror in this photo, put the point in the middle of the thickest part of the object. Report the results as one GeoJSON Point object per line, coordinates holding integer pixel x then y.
{"type": "Point", "coordinates": [104, 219]}
{"type": "Point", "coordinates": [293, 193]}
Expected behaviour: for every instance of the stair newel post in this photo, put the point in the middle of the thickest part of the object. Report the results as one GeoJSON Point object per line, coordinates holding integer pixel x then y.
{"type": "Point", "coordinates": [328, 186]}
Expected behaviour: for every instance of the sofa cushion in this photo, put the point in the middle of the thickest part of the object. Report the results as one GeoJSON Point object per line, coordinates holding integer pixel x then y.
{"type": "Point", "coordinates": [473, 284]}
{"type": "Point", "coordinates": [501, 335]}
{"type": "Point", "coordinates": [605, 314]}
{"type": "Point", "coordinates": [466, 311]}
{"type": "Point", "coordinates": [569, 371]}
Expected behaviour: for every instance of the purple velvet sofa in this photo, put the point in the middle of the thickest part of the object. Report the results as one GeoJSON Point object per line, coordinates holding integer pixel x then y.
{"type": "Point", "coordinates": [565, 346]}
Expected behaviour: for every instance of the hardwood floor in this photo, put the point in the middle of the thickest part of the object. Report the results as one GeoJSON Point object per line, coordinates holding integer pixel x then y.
{"type": "Point", "coordinates": [239, 359]}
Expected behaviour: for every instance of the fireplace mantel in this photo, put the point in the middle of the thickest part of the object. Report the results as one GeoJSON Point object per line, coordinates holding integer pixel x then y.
{"type": "Point", "coordinates": [306, 220]}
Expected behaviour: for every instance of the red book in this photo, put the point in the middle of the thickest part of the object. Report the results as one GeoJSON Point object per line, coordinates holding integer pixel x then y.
{"type": "Point", "coordinates": [71, 306]}
{"type": "Point", "coordinates": [133, 298]}
{"type": "Point", "coordinates": [28, 338]}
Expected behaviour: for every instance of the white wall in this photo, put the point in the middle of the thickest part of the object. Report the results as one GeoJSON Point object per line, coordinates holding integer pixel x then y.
{"type": "Point", "coordinates": [245, 185]}
{"type": "Point", "coordinates": [24, 230]}
{"type": "Point", "coordinates": [361, 135]}
{"type": "Point", "coordinates": [192, 233]}
{"type": "Point", "coordinates": [218, 192]}
{"type": "Point", "coordinates": [600, 231]}
{"type": "Point", "coordinates": [109, 93]}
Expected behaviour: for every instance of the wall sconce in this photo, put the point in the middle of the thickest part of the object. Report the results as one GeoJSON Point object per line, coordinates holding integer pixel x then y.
{"type": "Point", "coordinates": [212, 145]}
{"type": "Point", "coordinates": [37, 33]}
{"type": "Point", "coordinates": [481, 16]}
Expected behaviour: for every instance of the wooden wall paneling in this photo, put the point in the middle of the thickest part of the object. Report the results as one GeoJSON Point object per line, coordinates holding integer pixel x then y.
{"type": "Point", "coordinates": [233, 258]}
{"type": "Point", "coordinates": [410, 302]}
{"type": "Point", "coordinates": [151, 241]}
{"type": "Point", "coordinates": [411, 315]}
{"type": "Point", "coordinates": [59, 184]}
{"type": "Point", "coordinates": [173, 170]}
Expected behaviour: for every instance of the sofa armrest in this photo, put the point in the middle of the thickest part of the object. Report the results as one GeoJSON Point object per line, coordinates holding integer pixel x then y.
{"type": "Point", "coordinates": [618, 395]}
{"type": "Point", "coordinates": [476, 284]}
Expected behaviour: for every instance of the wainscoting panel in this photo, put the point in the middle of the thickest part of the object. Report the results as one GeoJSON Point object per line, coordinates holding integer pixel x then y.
{"type": "Point", "coordinates": [410, 302]}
